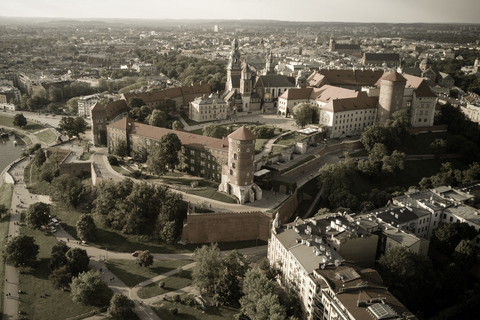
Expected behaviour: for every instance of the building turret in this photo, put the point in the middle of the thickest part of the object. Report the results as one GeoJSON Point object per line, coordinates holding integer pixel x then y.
{"type": "Point", "coordinates": [392, 88]}
{"type": "Point", "coordinates": [237, 175]}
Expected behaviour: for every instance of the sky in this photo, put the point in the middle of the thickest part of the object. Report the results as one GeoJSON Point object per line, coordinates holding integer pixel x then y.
{"type": "Point", "coordinates": [397, 11]}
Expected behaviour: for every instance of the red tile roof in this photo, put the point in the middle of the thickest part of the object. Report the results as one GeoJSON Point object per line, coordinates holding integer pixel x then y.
{"type": "Point", "coordinates": [156, 133]}
{"type": "Point", "coordinates": [242, 134]}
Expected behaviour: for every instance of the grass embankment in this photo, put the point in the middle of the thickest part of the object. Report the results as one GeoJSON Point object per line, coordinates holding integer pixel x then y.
{"type": "Point", "coordinates": [132, 274]}
{"type": "Point", "coordinates": [193, 313]}
{"type": "Point", "coordinates": [174, 282]}
{"type": "Point", "coordinates": [34, 282]}
{"type": "Point", "coordinates": [412, 174]}
{"type": "Point", "coordinates": [46, 137]}
{"type": "Point", "coordinates": [6, 191]}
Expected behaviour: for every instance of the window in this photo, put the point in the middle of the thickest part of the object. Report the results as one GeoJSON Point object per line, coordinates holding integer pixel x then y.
{"type": "Point", "coordinates": [234, 156]}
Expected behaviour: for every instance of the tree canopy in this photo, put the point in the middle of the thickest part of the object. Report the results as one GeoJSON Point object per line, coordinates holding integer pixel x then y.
{"type": "Point", "coordinates": [215, 131]}
{"type": "Point", "coordinates": [86, 228]}
{"type": "Point", "coordinates": [121, 307]}
{"type": "Point", "coordinates": [259, 301]}
{"type": "Point", "coordinates": [72, 126]}
{"type": "Point", "coordinates": [305, 113]}
{"type": "Point", "coordinates": [19, 120]}
{"type": "Point", "coordinates": [89, 289]}
{"type": "Point", "coordinates": [21, 251]}
{"type": "Point", "coordinates": [138, 208]}
{"type": "Point", "coordinates": [447, 236]}
{"type": "Point", "coordinates": [37, 215]}
{"type": "Point", "coordinates": [144, 259]}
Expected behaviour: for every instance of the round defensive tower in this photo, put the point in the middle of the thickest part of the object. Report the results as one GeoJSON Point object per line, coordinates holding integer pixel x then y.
{"type": "Point", "coordinates": [237, 175]}
{"type": "Point", "coordinates": [392, 88]}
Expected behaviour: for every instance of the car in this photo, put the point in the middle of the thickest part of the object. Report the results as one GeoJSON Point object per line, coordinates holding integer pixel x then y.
{"type": "Point", "coordinates": [136, 253]}
{"type": "Point", "coordinates": [53, 229]}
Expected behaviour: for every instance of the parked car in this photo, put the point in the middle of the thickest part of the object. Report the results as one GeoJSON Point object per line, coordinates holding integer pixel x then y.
{"type": "Point", "coordinates": [136, 253]}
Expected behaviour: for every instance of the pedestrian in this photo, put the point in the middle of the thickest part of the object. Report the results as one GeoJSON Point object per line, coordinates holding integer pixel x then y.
{"type": "Point", "coordinates": [6, 280]}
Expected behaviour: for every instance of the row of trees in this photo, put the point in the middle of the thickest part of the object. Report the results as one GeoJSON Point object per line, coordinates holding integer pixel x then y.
{"type": "Point", "coordinates": [448, 176]}
{"type": "Point", "coordinates": [231, 281]}
{"type": "Point", "coordinates": [142, 209]}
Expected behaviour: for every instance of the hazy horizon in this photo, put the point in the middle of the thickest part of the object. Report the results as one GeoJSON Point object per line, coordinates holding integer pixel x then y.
{"type": "Point", "coordinates": [366, 11]}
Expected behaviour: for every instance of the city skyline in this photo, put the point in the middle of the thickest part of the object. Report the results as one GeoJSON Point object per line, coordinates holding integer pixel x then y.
{"type": "Point", "coordinates": [374, 11]}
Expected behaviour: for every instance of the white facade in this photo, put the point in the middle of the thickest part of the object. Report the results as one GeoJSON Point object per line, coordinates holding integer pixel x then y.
{"type": "Point", "coordinates": [208, 109]}
{"type": "Point", "coordinates": [347, 122]}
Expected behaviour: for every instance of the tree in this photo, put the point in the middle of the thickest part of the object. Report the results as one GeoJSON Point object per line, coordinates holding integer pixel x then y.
{"type": "Point", "coordinates": [208, 268]}
{"type": "Point", "coordinates": [448, 235]}
{"type": "Point", "coordinates": [170, 145]}
{"type": "Point", "coordinates": [121, 307]}
{"type": "Point", "coordinates": [305, 113]}
{"type": "Point", "coordinates": [215, 131]}
{"type": "Point", "coordinates": [410, 276]}
{"type": "Point", "coordinates": [37, 215]}
{"type": "Point", "coordinates": [158, 118]}
{"type": "Point", "coordinates": [259, 301]}
{"type": "Point", "coordinates": [77, 260]}
{"type": "Point", "coordinates": [59, 258]}
{"type": "Point", "coordinates": [270, 271]}
{"type": "Point", "coordinates": [121, 149]}
{"type": "Point", "coordinates": [19, 120]}
{"type": "Point", "coordinates": [40, 158]}
{"type": "Point", "coordinates": [21, 251]}
{"type": "Point", "coordinates": [177, 125]}
{"type": "Point", "coordinates": [3, 210]}
{"type": "Point", "coordinates": [66, 189]}
{"type": "Point", "coordinates": [227, 288]}
{"type": "Point", "coordinates": [86, 229]}
{"type": "Point", "coordinates": [72, 105]}
{"type": "Point", "coordinates": [135, 102]}
{"type": "Point", "coordinates": [145, 259]}
{"type": "Point", "coordinates": [465, 255]}
{"type": "Point", "coordinates": [156, 162]}
{"type": "Point", "coordinates": [61, 278]}
{"type": "Point", "coordinates": [89, 289]}
{"type": "Point", "coordinates": [72, 126]}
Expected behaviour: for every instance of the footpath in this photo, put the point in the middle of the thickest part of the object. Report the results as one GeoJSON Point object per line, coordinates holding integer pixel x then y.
{"type": "Point", "coordinates": [22, 198]}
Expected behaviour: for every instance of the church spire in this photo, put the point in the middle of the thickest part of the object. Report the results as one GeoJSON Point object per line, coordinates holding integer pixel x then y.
{"type": "Point", "coordinates": [234, 61]}
{"type": "Point", "coordinates": [269, 67]}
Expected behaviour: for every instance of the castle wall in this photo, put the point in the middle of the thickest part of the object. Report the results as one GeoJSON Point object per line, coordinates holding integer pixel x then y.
{"type": "Point", "coordinates": [75, 168]}
{"type": "Point", "coordinates": [226, 227]}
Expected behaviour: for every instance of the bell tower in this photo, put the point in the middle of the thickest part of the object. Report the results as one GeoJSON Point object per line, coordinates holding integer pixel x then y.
{"type": "Point", "coordinates": [234, 67]}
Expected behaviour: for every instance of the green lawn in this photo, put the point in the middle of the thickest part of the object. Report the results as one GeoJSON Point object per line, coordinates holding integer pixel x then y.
{"type": "Point", "coordinates": [290, 139]}
{"type": "Point", "coordinates": [172, 283]}
{"type": "Point", "coordinates": [34, 282]}
{"type": "Point", "coordinates": [86, 155]}
{"type": "Point", "coordinates": [132, 274]}
{"type": "Point", "coordinates": [120, 170]}
{"type": "Point", "coordinates": [213, 194]}
{"type": "Point", "coordinates": [192, 313]}
{"type": "Point", "coordinates": [46, 137]}
{"type": "Point", "coordinates": [31, 126]}
{"type": "Point", "coordinates": [6, 191]}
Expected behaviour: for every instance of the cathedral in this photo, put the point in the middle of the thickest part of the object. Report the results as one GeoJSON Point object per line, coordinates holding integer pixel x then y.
{"type": "Point", "coordinates": [249, 90]}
